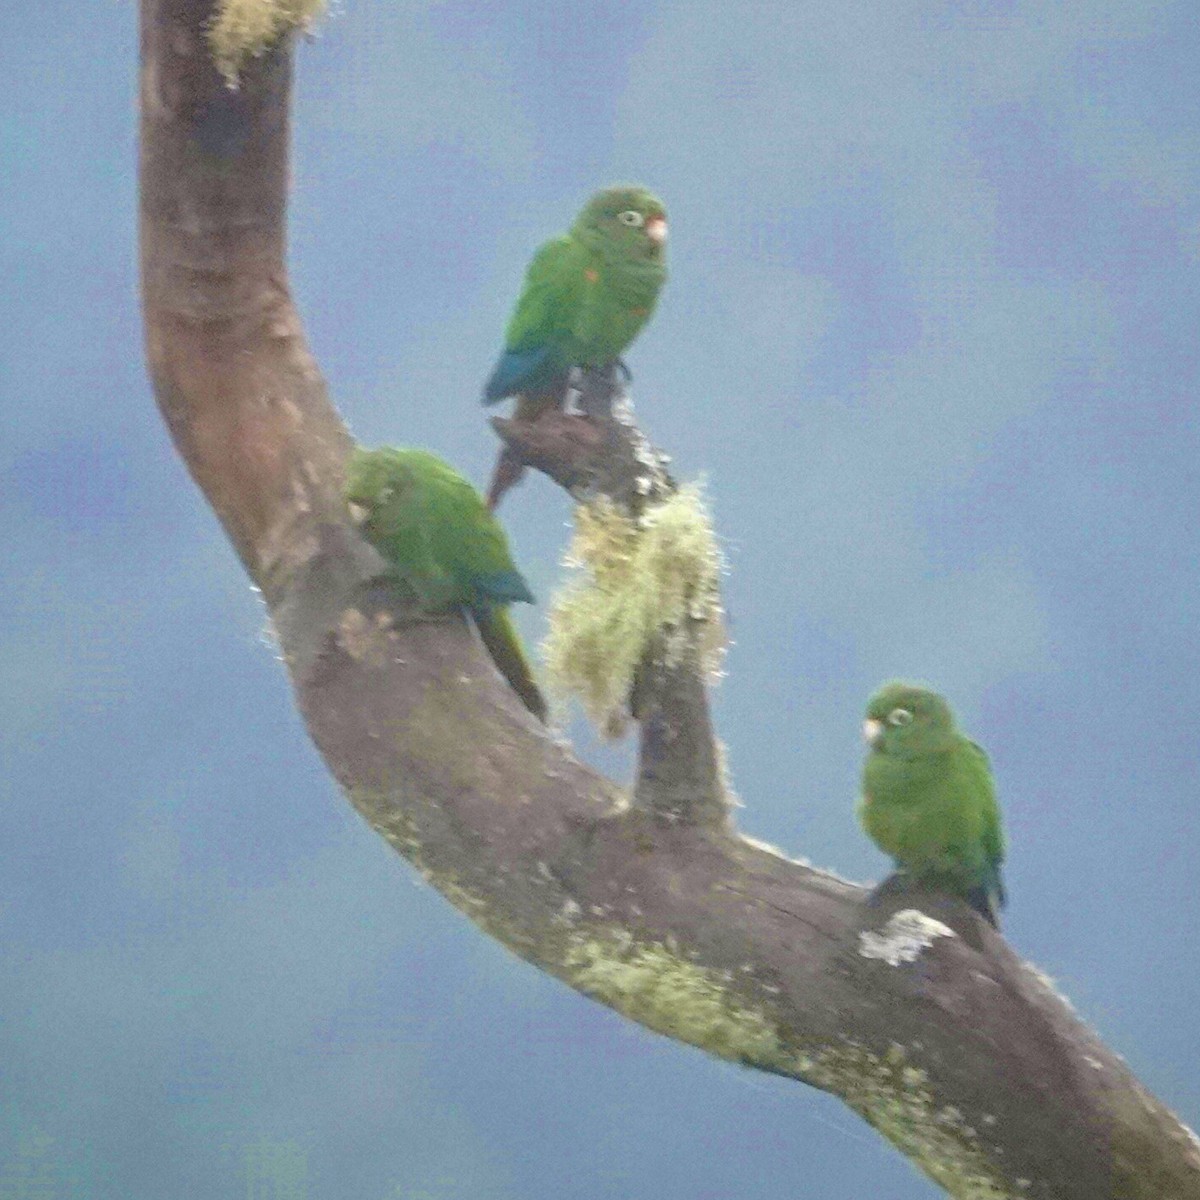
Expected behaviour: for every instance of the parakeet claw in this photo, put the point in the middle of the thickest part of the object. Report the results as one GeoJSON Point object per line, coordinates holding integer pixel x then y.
{"type": "Point", "coordinates": [571, 405]}
{"type": "Point", "coordinates": [598, 388]}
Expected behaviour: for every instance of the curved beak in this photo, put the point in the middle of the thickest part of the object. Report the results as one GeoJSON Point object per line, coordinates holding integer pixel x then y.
{"type": "Point", "coordinates": [656, 229]}
{"type": "Point", "coordinates": [872, 732]}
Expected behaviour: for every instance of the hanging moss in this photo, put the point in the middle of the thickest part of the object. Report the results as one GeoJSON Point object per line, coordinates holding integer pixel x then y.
{"type": "Point", "coordinates": [639, 581]}
{"type": "Point", "coordinates": [242, 29]}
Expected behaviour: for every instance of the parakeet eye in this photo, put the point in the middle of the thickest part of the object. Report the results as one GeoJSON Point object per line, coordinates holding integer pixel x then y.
{"type": "Point", "coordinates": [632, 218]}
{"type": "Point", "coordinates": [899, 716]}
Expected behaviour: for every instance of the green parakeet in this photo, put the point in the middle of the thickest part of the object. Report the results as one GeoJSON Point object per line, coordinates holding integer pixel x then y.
{"type": "Point", "coordinates": [586, 296]}
{"type": "Point", "coordinates": [928, 798]}
{"type": "Point", "coordinates": [434, 530]}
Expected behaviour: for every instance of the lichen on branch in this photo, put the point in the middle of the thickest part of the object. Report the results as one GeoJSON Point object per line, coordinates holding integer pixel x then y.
{"type": "Point", "coordinates": [661, 988]}
{"type": "Point", "coordinates": [639, 580]}
{"type": "Point", "coordinates": [244, 29]}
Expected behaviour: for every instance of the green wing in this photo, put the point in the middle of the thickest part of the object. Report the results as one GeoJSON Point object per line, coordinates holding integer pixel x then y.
{"type": "Point", "coordinates": [467, 542]}
{"type": "Point", "coordinates": [550, 297]}
{"type": "Point", "coordinates": [612, 309]}
{"type": "Point", "coordinates": [992, 831]}
{"type": "Point", "coordinates": [469, 545]}
{"type": "Point", "coordinates": [991, 897]}
{"type": "Point", "coordinates": [434, 529]}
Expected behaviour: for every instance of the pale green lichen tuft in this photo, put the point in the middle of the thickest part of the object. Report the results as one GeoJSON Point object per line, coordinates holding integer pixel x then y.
{"type": "Point", "coordinates": [658, 987]}
{"type": "Point", "coordinates": [243, 29]}
{"type": "Point", "coordinates": [639, 579]}
{"type": "Point", "coordinates": [896, 1098]}
{"type": "Point", "coordinates": [650, 984]}
{"type": "Point", "coordinates": [399, 830]}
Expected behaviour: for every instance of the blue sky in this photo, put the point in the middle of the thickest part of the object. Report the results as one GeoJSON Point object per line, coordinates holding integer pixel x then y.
{"type": "Point", "coordinates": [929, 336]}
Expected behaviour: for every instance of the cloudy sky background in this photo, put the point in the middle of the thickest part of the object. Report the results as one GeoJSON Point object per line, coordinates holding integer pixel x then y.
{"type": "Point", "coordinates": [930, 337]}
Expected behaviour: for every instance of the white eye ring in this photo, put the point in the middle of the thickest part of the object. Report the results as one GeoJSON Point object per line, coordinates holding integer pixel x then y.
{"type": "Point", "coordinates": [632, 218]}
{"type": "Point", "coordinates": [899, 716]}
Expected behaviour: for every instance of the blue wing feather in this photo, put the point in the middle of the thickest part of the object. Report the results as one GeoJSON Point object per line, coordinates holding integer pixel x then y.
{"type": "Point", "coordinates": [521, 371]}
{"type": "Point", "coordinates": [503, 587]}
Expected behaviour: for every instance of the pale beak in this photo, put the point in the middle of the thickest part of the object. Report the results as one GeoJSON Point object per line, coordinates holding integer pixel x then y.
{"type": "Point", "coordinates": [656, 229]}
{"type": "Point", "coordinates": [872, 732]}
{"type": "Point", "coordinates": [358, 512]}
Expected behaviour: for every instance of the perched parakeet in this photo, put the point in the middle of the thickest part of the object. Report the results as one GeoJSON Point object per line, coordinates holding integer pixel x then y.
{"type": "Point", "coordinates": [928, 798]}
{"type": "Point", "coordinates": [586, 296]}
{"type": "Point", "coordinates": [433, 528]}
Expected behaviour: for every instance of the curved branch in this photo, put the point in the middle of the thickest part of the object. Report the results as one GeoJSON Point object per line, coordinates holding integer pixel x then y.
{"type": "Point", "coordinates": [918, 1016]}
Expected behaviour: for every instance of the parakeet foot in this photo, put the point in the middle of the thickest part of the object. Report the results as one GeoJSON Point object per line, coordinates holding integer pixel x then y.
{"type": "Point", "coordinates": [574, 391]}
{"type": "Point", "coordinates": [598, 388]}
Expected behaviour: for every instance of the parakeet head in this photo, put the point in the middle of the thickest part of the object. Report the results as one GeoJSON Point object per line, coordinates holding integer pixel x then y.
{"type": "Point", "coordinates": [382, 488]}
{"type": "Point", "coordinates": [624, 220]}
{"type": "Point", "coordinates": [908, 721]}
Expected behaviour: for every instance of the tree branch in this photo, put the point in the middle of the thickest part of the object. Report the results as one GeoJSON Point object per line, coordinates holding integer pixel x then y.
{"type": "Point", "coordinates": [603, 454]}
{"type": "Point", "coordinates": [917, 1015]}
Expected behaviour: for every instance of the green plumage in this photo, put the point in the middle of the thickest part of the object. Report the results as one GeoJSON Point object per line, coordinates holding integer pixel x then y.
{"type": "Point", "coordinates": [928, 798]}
{"type": "Point", "coordinates": [587, 295]}
{"type": "Point", "coordinates": [434, 530]}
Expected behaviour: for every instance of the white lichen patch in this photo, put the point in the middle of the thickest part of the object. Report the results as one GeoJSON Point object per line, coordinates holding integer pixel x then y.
{"type": "Point", "coordinates": [636, 581]}
{"type": "Point", "coordinates": [243, 29]}
{"type": "Point", "coordinates": [903, 939]}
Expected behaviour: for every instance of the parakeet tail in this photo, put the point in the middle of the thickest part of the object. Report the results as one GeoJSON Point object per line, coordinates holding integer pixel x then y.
{"type": "Point", "coordinates": [523, 371]}
{"type": "Point", "coordinates": [500, 637]}
{"type": "Point", "coordinates": [509, 468]}
{"type": "Point", "coordinates": [507, 474]}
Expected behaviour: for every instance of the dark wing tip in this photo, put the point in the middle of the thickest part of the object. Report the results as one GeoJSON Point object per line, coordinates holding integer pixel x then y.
{"type": "Point", "coordinates": [506, 587]}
